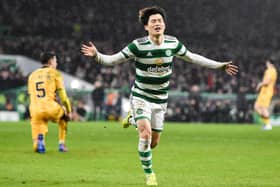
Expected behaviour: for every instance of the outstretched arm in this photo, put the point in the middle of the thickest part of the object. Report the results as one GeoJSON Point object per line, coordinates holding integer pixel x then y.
{"type": "Point", "coordinates": [203, 61]}
{"type": "Point", "coordinates": [91, 51]}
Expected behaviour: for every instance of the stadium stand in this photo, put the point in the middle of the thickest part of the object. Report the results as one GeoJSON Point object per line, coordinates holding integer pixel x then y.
{"type": "Point", "coordinates": [246, 32]}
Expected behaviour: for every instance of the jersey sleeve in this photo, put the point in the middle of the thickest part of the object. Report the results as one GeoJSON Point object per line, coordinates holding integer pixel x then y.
{"type": "Point", "coordinates": [130, 50]}
{"type": "Point", "coordinates": [65, 100]}
{"type": "Point", "coordinates": [29, 85]}
{"type": "Point", "coordinates": [124, 55]}
{"type": "Point", "coordinates": [180, 50]}
{"type": "Point", "coordinates": [61, 91]}
{"type": "Point", "coordinates": [59, 80]}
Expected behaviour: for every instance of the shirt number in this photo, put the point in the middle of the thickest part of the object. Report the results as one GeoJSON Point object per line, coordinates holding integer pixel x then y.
{"type": "Point", "coordinates": [41, 91]}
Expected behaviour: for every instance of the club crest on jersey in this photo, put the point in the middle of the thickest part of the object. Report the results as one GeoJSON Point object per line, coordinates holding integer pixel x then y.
{"type": "Point", "coordinates": [139, 111]}
{"type": "Point", "coordinates": [168, 52]}
{"type": "Point", "coordinates": [49, 77]}
{"type": "Point", "coordinates": [159, 61]}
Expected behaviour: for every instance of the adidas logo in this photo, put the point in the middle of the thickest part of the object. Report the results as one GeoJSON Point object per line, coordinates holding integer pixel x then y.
{"type": "Point", "coordinates": [149, 54]}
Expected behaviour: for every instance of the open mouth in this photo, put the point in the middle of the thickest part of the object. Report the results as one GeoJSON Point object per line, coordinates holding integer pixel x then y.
{"type": "Point", "coordinates": [157, 29]}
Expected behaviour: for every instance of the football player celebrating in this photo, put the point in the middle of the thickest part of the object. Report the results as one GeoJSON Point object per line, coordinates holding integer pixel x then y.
{"type": "Point", "coordinates": [153, 57]}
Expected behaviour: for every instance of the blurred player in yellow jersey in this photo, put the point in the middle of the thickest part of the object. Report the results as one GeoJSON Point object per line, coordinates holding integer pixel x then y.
{"type": "Point", "coordinates": [43, 84]}
{"type": "Point", "coordinates": [266, 91]}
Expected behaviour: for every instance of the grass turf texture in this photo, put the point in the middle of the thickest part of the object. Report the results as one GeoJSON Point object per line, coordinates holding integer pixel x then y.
{"type": "Point", "coordinates": [104, 154]}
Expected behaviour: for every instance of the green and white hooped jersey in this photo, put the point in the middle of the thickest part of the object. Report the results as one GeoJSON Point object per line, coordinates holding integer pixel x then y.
{"type": "Point", "coordinates": [153, 66]}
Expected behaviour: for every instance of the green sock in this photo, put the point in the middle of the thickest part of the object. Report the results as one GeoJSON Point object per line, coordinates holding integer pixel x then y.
{"type": "Point", "coordinates": [145, 154]}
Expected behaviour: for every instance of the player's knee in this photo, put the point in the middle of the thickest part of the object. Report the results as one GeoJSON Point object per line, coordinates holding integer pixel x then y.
{"type": "Point", "coordinates": [145, 133]}
{"type": "Point", "coordinates": [265, 114]}
{"type": "Point", "coordinates": [258, 110]}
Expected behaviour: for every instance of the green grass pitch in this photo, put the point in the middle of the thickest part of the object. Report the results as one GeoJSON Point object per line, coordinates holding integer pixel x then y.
{"type": "Point", "coordinates": [102, 154]}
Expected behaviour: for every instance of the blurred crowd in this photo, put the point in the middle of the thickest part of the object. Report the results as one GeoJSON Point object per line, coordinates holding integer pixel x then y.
{"type": "Point", "coordinates": [10, 76]}
{"type": "Point", "coordinates": [246, 32]}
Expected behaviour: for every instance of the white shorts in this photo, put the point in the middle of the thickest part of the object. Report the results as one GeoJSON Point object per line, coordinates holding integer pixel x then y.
{"type": "Point", "coordinates": [152, 111]}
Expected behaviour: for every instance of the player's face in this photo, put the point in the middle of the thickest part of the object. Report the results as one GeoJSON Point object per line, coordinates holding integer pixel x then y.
{"type": "Point", "coordinates": [155, 25]}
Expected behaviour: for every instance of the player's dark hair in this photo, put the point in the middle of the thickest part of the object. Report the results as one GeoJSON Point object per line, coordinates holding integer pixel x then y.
{"type": "Point", "coordinates": [46, 56]}
{"type": "Point", "coordinates": [145, 13]}
{"type": "Point", "coordinates": [271, 60]}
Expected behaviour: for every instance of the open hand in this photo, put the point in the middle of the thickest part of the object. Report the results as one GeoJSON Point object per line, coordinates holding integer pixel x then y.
{"type": "Point", "coordinates": [89, 50]}
{"type": "Point", "coordinates": [231, 69]}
